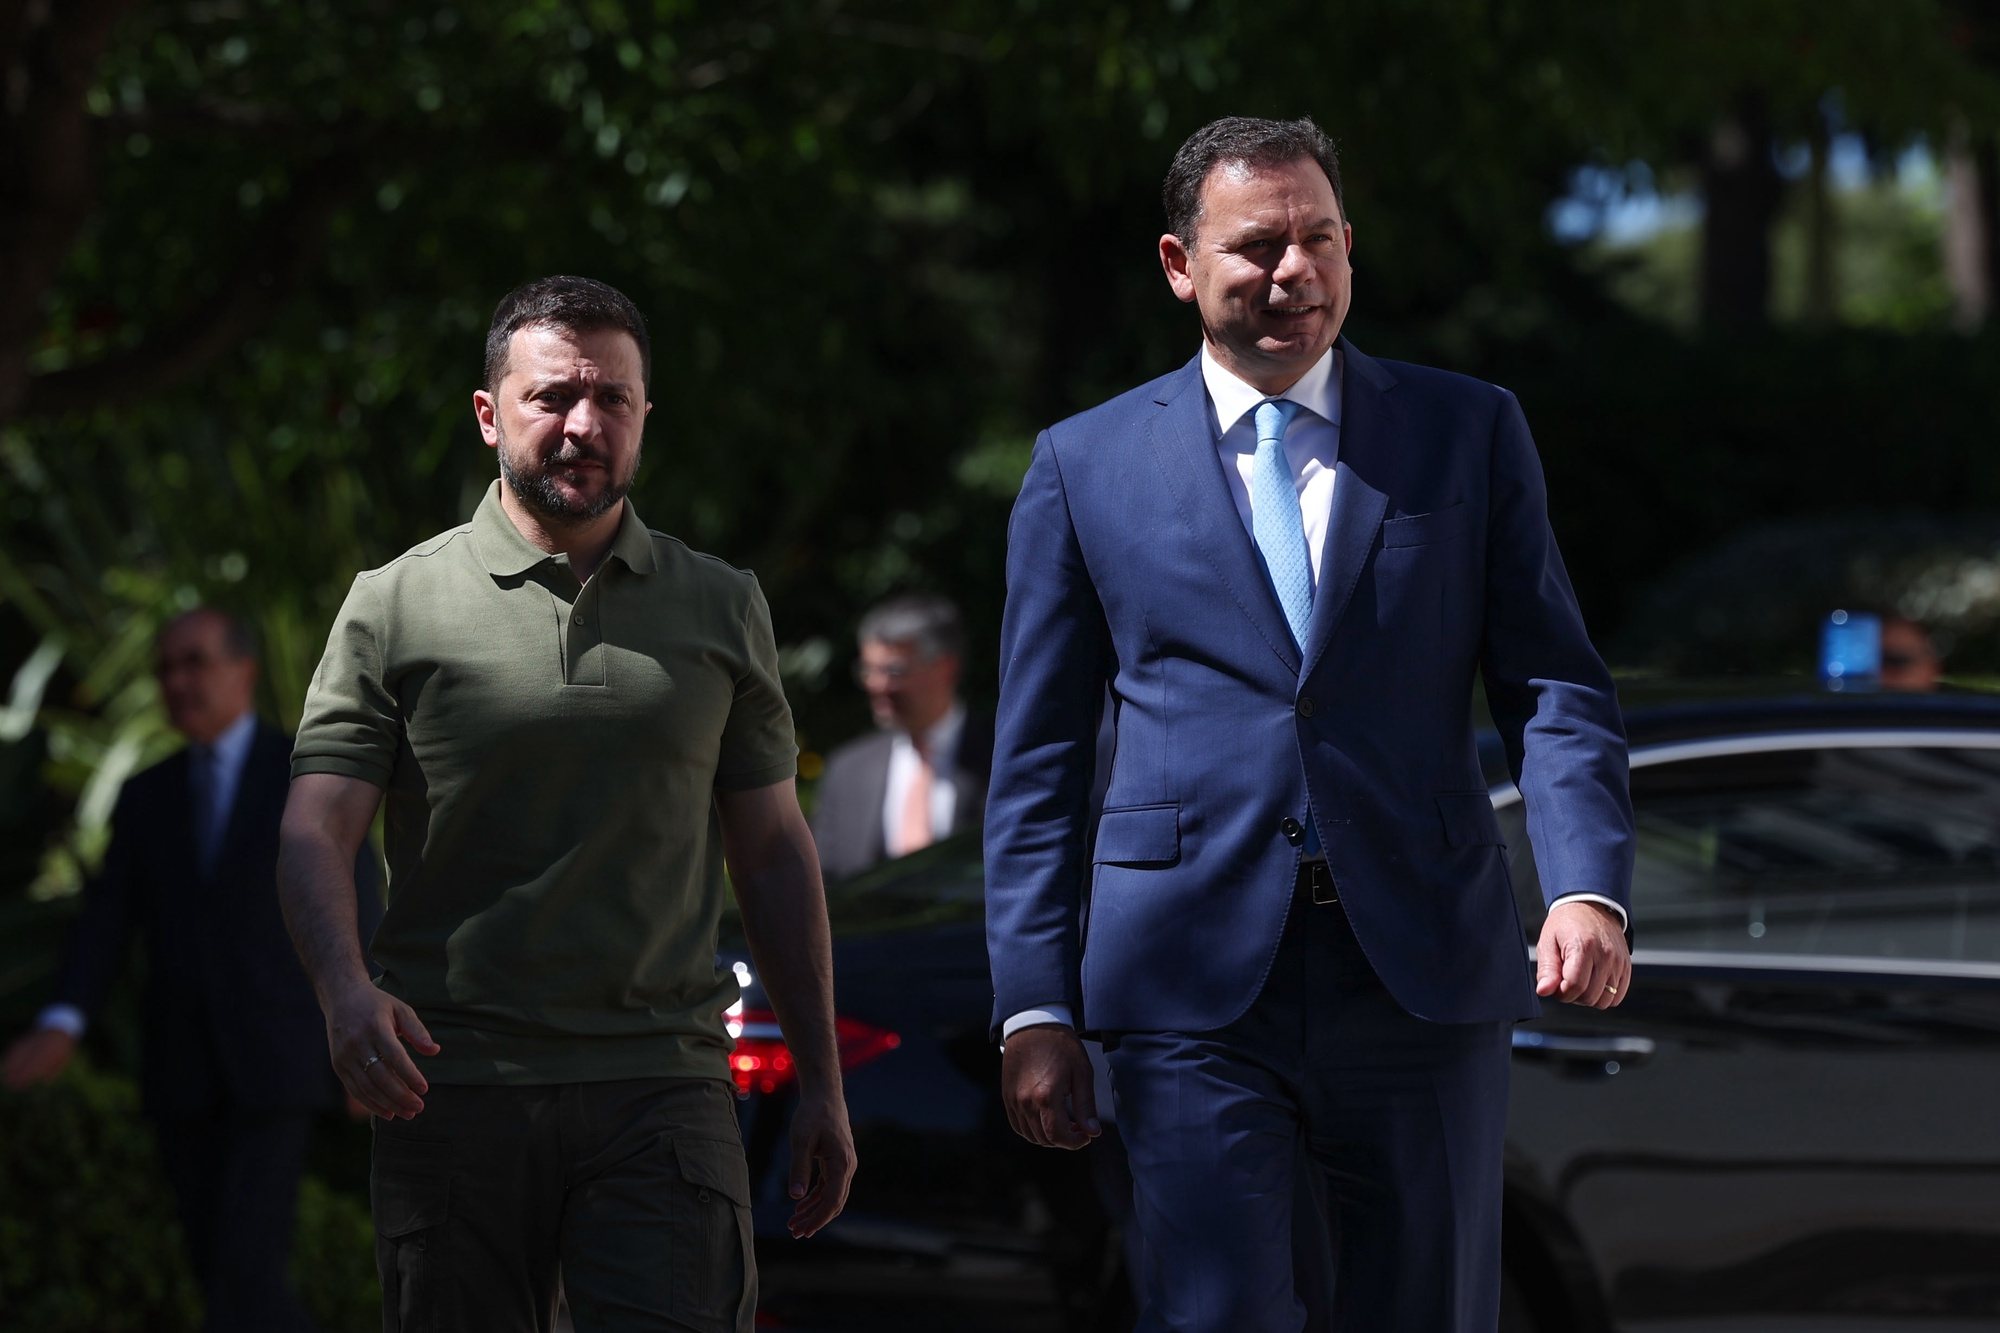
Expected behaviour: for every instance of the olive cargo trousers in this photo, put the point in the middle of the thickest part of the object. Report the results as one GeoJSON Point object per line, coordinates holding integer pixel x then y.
{"type": "Point", "coordinates": [630, 1198]}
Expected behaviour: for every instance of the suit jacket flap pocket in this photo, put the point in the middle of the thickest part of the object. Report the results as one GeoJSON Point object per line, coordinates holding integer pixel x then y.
{"type": "Point", "coordinates": [1469, 820]}
{"type": "Point", "coordinates": [1423, 529]}
{"type": "Point", "coordinates": [1139, 835]}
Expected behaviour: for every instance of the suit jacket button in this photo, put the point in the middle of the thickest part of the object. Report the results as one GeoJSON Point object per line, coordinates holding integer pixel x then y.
{"type": "Point", "coordinates": [1294, 831]}
{"type": "Point", "coordinates": [1305, 708]}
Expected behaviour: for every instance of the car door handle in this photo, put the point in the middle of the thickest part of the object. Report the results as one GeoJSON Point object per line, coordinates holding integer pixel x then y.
{"type": "Point", "coordinates": [1574, 1049]}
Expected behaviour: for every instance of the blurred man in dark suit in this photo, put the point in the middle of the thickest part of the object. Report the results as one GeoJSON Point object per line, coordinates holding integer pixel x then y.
{"type": "Point", "coordinates": [234, 1064]}
{"type": "Point", "coordinates": [922, 775]}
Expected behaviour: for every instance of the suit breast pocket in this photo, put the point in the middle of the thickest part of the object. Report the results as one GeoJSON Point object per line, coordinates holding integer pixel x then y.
{"type": "Point", "coordinates": [1440, 525]}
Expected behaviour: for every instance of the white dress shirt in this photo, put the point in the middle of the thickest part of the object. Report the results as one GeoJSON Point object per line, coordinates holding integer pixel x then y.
{"type": "Point", "coordinates": [232, 749]}
{"type": "Point", "coordinates": [1312, 447]}
{"type": "Point", "coordinates": [1312, 441]}
{"type": "Point", "coordinates": [941, 740]}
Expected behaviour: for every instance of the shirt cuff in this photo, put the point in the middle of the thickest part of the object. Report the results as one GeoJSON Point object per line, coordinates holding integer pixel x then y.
{"type": "Point", "coordinates": [1027, 1018]}
{"type": "Point", "coordinates": [63, 1018]}
{"type": "Point", "coordinates": [1624, 921]}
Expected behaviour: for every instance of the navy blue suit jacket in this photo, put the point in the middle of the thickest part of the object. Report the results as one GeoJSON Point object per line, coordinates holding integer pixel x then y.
{"type": "Point", "coordinates": [1128, 563]}
{"type": "Point", "coordinates": [230, 1019]}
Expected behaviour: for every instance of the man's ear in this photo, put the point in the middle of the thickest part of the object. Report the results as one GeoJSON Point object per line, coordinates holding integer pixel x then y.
{"type": "Point", "coordinates": [1174, 258]}
{"type": "Point", "coordinates": [486, 410]}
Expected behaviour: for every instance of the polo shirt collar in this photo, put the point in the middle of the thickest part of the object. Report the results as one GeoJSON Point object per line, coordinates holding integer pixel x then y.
{"type": "Point", "coordinates": [505, 552]}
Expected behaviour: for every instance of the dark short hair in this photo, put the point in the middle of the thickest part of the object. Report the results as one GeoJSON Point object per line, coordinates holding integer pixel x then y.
{"type": "Point", "coordinates": [927, 620]}
{"type": "Point", "coordinates": [578, 305]}
{"type": "Point", "coordinates": [1251, 142]}
{"type": "Point", "coordinates": [238, 639]}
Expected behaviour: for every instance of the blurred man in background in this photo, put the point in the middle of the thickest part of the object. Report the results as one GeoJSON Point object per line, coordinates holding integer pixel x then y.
{"type": "Point", "coordinates": [234, 1062]}
{"type": "Point", "coordinates": [921, 775]}
{"type": "Point", "coordinates": [1910, 660]}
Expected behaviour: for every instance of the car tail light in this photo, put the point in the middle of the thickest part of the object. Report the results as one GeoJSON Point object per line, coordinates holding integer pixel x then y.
{"type": "Point", "coordinates": [760, 1062]}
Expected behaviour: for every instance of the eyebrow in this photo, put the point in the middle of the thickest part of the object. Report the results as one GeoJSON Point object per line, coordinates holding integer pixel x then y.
{"type": "Point", "coordinates": [572, 381]}
{"type": "Point", "coordinates": [1251, 233]}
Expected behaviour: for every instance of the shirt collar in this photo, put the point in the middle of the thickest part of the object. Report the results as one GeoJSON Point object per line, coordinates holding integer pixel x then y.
{"type": "Point", "coordinates": [505, 552]}
{"type": "Point", "coordinates": [233, 745]}
{"type": "Point", "coordinates": [1318, 390]}
{"type": "Point", "coordinates": [940, 738]}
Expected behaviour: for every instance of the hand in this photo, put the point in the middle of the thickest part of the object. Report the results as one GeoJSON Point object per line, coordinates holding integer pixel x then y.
{"type": "Point", "coordinates": [36, 1057]}
{"type": "Point", "coordinates": [1583, 957]}
{"type": "Point", "coordinates": [823, 1162]}
{"type": "Point", "coordinates": [1048, 1088]}
{"type": "Point", "coordinates": [364, 1021]}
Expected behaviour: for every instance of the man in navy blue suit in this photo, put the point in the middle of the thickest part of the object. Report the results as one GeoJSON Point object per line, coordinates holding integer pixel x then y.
{"type": "Point", "coordinates": [234, 1056]}
{"type": "Point", "coordinates": [1294, 930]}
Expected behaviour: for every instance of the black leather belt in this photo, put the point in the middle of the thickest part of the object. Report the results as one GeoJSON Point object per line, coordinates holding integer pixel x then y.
{"type": "Point", "coordinates": [1316, 880]}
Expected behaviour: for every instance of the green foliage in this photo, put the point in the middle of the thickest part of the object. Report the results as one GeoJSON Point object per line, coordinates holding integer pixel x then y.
{"type": "Point", "coordinates": [333, 1260]}
{"type": "Point", "coordinates": [881, 243]}
{"type": "Point", "coordinates": [88, 1238]}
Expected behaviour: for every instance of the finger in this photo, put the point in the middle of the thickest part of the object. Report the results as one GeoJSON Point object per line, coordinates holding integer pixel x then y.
{"type": "Point", "coordinates": [1029, 1105]}
{"type": "Point", "coordinates": [1620, 984]}
{"type": "Point", "coordinates": [1579, 969]}
{"type": "Point", "coordinates": [804, 1148]}
{"type": "Point", "coordinates": [1548, 965]}
{"type": "Point", "coordinates": [411, 1029]}
{"type": "Point", "coordinates": [1061, 1129]}
{"type": "Point", "coordinates": [827, 1198]}
{"type": "Point", "coordinates": [397, 1057]}
{"type": "Point", "coordinates": [390, 1090]}
{"type": "Point", "coordinates": [362, 1091]}
{"type": "Point", "coordinates": [1083, 1097]}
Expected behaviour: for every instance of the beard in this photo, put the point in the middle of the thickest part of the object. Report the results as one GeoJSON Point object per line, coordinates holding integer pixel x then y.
{"type": "Point", "coordinates": [534, 483]}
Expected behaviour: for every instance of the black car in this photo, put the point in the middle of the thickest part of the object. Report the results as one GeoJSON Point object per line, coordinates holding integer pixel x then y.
{"type": "Point", "coordinates": [1792, 1124]}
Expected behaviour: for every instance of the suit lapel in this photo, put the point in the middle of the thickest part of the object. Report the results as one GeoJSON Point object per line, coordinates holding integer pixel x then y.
{"type": "Point", "coordinates": [1183, 440]}
{"type": "Point", "coordinates": [187, 814]}
{"type": "Point", "coordinates": [257, 784]}
{"type": "Point", "coordinates": [1369, 427]}
{"type": "Point", "coordinates": [874, 847]}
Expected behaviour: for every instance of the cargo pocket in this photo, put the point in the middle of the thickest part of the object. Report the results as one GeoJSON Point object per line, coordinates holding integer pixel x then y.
{"type": "Point", "coordinates": [410, 1197]}
{"type": "Point", "coordinates": [714, 1271]}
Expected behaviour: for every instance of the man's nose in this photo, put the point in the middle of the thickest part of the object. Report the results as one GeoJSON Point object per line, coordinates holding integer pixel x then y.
{"type": "Point", "coordinates": [1294, 265]}
{"type": "Point", "coordinates": [584, 421]}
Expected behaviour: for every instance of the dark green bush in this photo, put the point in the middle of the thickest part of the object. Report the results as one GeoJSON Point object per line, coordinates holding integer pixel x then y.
{"type": "Point", "coordinates": [88, 1238]}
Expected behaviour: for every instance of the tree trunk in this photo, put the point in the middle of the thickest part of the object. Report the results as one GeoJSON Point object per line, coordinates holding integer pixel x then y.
{"type": "Point", "coordinates": [1972, 227]}
{"type": "Point", "coordinates": [1742, 191]}
{"type": "Point", "coordinates": [48, 56]}
{"type": "Point", "coordinates": [1821, 306]}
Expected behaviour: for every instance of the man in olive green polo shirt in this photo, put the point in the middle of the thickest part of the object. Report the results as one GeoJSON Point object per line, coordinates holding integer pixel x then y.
{"type": "Point", "coordinates": [571, 722]}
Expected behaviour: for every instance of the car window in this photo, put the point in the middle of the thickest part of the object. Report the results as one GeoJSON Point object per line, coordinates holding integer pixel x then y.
{"type": "Point", "coordinates": [1858, 851]}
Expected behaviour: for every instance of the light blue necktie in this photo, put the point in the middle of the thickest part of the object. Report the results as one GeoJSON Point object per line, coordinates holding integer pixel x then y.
{"type": "Point", "coordinates": [1279, 527]}
{"type": "Point", "coordinates": [1275, 520]}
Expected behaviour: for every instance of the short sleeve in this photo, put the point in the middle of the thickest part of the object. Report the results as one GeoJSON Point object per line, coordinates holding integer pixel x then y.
{"type": "Point", "coordinates": [759, 746]}
{"type": "Point", "coordinates": [351, 725]}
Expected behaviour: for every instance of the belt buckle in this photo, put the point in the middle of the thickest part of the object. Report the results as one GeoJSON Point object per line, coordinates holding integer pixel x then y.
{"type": "Point", "coordinates": [1320, 876]}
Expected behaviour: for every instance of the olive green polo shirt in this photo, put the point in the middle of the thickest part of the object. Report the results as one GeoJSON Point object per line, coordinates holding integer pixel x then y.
{"type": "Point", "coordinates": [549, 755]}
